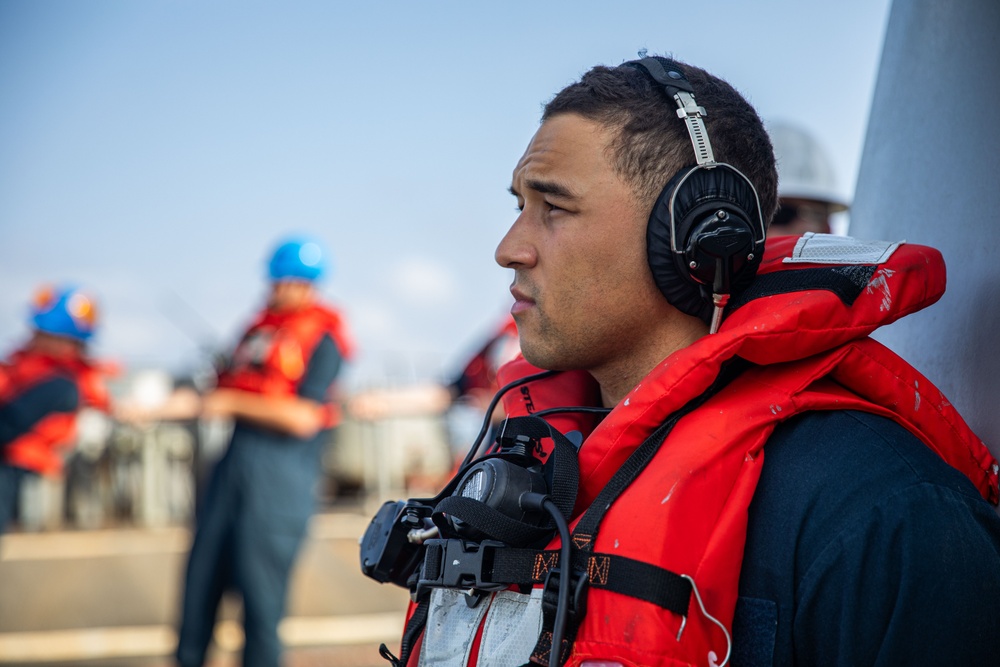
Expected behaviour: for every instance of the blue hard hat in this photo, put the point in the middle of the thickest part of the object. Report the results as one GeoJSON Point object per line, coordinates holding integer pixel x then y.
{"type": "Point", "coordinates": [298, 258]}
{"type": "Point", "coordinates": [64, 311]}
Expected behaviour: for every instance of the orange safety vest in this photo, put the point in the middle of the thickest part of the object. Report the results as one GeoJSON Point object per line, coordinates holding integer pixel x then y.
{"type": "Point", "coordinates": [274, 353]}
{"type": "Point", "coordinates": [685, 514]}
{"type": "Point", "coordinates": [38, 450]}
{"type": "Point", "coordinates": [480, 373]}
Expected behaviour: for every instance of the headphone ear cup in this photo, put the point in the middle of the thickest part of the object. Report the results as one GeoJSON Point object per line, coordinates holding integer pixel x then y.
{"type": "Point", "coordinates": [676, 286]}
{"type": "Point", "coordinates": [704, 232]}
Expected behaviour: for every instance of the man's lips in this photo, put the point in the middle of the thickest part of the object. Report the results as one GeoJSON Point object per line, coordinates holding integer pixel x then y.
{"type": "Point", "coordinates": [522, 301]}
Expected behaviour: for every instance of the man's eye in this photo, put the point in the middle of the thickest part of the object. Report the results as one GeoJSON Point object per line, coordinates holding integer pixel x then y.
{"type": "Point", "coordinates": [552, 207]}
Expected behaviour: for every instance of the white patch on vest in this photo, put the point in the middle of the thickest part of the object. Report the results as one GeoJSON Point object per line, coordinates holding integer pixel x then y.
{"type": "Point", "coordinates": [831, 249]}
{"type": "Point", "coordinates": [713, 659]}
{"type": "Point", "coordinates": [669, 493]}
{"type": "Point", "coordinates": [627, 401]}
{"type": "Point", "coordinates": [916, 394]}
{"type": "Point", "coordinates": [512, 628]}
{"type": "Point", "coordinates": [880, 282]}
{"type": "Point", "coordinates": [451, 627]}
{"type": "Point", "coordinates": [775, 409]}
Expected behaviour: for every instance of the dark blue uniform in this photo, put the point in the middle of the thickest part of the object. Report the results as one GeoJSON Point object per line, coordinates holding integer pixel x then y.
{"type": "Point", "coordinates": [865, 548]}
{"type": "Point", "coordinates": [253, 520]}
{"type": "Point", "coordinates": [19, 416]}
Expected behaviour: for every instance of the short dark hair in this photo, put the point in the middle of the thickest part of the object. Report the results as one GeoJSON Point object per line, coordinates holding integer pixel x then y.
{"type": "Point", "coordinates": [654, 143]}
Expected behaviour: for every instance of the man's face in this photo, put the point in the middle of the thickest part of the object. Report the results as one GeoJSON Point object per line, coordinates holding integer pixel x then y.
{"type": "Point", "coordinates": [584, 296]}
{"type": "Point", "coordinates": [288, 295]}
{"type": "Point", "coordinates": [798, 216]}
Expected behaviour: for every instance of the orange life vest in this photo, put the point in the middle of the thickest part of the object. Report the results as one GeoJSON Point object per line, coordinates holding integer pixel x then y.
{"type": "Point", "coordinates": [274, 353]}
{"type": "Point", "coordinates": [38, 450]}
{"type": "Point", "coordinates": [804, 331]}
{"type": "Point", "coordinates": [480, 373]}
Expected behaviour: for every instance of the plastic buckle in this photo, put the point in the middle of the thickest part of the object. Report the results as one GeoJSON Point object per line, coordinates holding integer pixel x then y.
{"type": "Point", "coordinates": [458, 564]}
{"type": "Point", "coordinates": [577, 594]}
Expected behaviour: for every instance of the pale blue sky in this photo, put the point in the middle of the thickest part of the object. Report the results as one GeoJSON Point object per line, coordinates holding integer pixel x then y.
{"type": "Point", "coordinates": [153, 150]}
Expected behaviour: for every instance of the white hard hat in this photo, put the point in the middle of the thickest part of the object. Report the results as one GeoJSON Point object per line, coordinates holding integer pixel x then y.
{"type": "Point", "coordinates": [804, 170]}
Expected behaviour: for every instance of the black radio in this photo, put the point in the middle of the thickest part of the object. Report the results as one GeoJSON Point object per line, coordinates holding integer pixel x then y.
{"type": "Point", "coordinates": [391, 549]}
{"type": "Point", "coordinates": [490, 492]}
{"type": "Point", "coordinates": [515, 495]}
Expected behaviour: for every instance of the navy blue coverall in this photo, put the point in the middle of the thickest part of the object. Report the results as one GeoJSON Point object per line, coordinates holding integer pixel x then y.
{"type": "Point", "coordinates": [250, 527]}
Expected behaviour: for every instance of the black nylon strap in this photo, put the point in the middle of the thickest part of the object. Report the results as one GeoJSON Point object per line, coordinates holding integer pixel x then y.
{"type": "Point", "coordinates": [618, 574]}
{"type": "Point", "coordinates": [432, 560]}
{"type": "Point", "coordinates": [386, 654]}
{"type": "Point", "coordinates": [585, 532]}
{"type": "Point", "coordinates": [562, 467]}
{"type": "Point", "coordinates": [533, 427]}
{"type": "Point", "coordinates": [492, 523]}
{"type": "Point", "coordinates": [541, 654]}
{"type": "Point", "coordinates": [624, 476]}
{"type": "Point", "coordinates": [413, 631]}
{"type": "Point", "coordinates": [847, 282]}
{"type": "Point", "coordinates": [563, 473]}
{"type": "Point", "coordinates": [656, 70]}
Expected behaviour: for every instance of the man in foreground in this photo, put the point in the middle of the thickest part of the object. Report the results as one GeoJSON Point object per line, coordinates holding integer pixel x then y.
{"type": "Point", "coordinates": [770, 486]}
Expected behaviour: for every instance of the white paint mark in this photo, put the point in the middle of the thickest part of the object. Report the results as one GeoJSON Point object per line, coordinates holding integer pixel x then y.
{"type": "Point", "coordinates": [627, 401]}
{"type": "Point", "coordinates": [775, 409]}
{"type": "Point", "coordinates": [616, 543]}
{"type": "Point", "coordinates": [880, 282]}
{"type": "Point", "coordinates": [916, 395]}
{"type": "Point", "coordinates": [664, 501]}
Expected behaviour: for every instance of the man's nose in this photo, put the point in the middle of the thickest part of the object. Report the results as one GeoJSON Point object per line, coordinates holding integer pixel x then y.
{"type": "Point", "coordinates": [514, 249]}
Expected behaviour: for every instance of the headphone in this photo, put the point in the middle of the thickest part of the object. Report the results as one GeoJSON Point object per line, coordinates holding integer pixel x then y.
{"type": "Point", "coordinates": [705, 235]}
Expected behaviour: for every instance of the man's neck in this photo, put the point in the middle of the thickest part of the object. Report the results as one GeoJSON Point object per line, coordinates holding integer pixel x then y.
{"type": "Point", "coordinates": [619, 377]}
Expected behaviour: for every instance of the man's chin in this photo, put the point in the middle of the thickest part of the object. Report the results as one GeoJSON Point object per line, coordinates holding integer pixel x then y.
{"type": "Point", "coordinates": [545, 360]}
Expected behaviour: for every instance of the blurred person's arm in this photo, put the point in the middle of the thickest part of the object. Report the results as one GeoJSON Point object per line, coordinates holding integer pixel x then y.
{"type": "Point", "coordinates": [302, 415]}
{"type": "Point", "coordinates": [56, 395]}
{"type": "Point", "coordinates": [294, 415]}
{"type": "Point", "coordinates": [182, 404]}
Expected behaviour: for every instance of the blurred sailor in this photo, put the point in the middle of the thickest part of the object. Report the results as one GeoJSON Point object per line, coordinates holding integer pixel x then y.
{"type": "Point", "coordinates": [43, 385]}
{"type": "Point", "coordinates": [477, 381]}
{"type": "Point", "coordinates": [807, 186]}
{"type": "Point", "coordinates": [277, 389]}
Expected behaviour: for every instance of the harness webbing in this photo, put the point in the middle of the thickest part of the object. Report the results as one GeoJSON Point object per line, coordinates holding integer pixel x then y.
{"type": "Point", "coordinates": [620, 574]}
{"type": "Point", "coordinates": [410, 635]}
{"type": "Point", "coordinates": [664, 588]}
{"type": "Point", "coordinates": [585, 532]}
{"type": "Point", "coordinates": [847, 282]}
